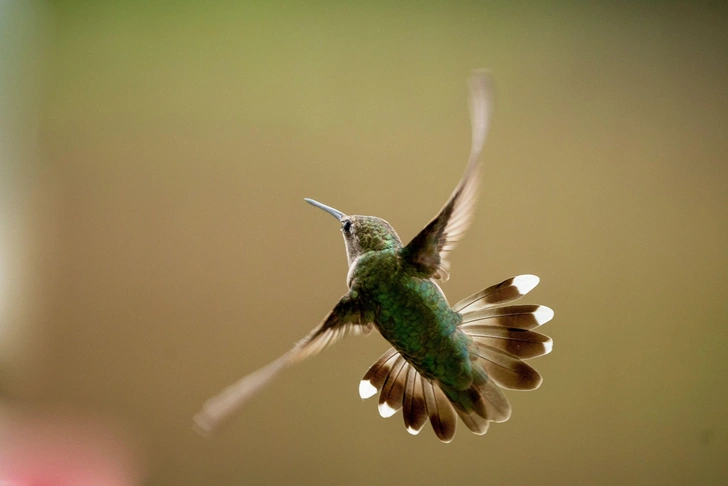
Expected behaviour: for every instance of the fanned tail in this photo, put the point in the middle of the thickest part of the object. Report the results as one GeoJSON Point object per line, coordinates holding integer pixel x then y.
{"type": "Point", "coordinates": [502, 337]}
{"type": "Point", "coordinates": [402, 387]}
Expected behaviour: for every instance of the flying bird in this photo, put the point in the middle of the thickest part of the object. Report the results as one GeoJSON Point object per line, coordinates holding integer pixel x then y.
{"type": "Point", "coordinates": [445, 361]}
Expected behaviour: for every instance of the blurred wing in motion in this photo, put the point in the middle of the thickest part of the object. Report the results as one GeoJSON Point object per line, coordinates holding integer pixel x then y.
{"type": "Point", "coordinates": [428, 250]}
{"type": "Point", "coordinates": [344, 319]}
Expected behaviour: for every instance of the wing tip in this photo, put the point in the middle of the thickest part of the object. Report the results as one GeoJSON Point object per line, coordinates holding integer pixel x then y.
{"type": "Point", "coordinates": [203, 424]}
{"type": "Point", "coordinates": [481, 74]}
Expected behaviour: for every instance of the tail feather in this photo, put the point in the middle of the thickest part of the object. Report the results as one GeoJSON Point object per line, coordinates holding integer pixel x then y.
{"type": "Point", "coordinates": [503, 336]}
{"type": "Point", "coordinates": [442, 414]}
{"type": "Point", "coordinates": [525, 317]}
{"type": "Point", "coordinates": [477, 424]}
{"type": "Point", "coordinates": [402, 387]}
{"type": "Point", "coordinates": [497, 407]}
{"type": "Point", "coordinates": [506, 291]}
{"type": "Point", "coordinates": [505, 369]}
{"type": "Point", "coordinates": [414, 405]}
{"type": "Point", "coordinates": [377, 374]}
{"type": "Point", "coordinates": [483, 399]}
{"type": "Point", "coordinates": [518, 342]}
{"type": "Point", "coordinates": [390, 400]}
{"type": "Point", "coordinates": [471, 408]}
{"type": "Point", "coordinates": [467, 400]}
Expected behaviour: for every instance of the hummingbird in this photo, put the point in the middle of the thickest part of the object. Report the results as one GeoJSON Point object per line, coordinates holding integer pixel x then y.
{"type": "Point", "coordinates": [445, 361]}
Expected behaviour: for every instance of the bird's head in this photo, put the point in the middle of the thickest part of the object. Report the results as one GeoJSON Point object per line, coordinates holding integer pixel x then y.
{"type": "Point", "coordinates": [362, 234]}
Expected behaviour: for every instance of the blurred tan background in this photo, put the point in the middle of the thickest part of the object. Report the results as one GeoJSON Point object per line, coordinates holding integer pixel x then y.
{"type": "Point", "coordinates": [155, 246]}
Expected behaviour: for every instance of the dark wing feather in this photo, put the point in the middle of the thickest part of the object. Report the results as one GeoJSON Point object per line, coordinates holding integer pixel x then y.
{"type": "Point", "coordinates": [428, 250]}
{"type": "Point", "coordinates": [344, 319]}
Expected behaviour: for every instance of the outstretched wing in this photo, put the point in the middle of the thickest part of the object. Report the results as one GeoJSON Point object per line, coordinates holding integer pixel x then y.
{"type": "Point", "coordinates": [344, 319]}
{"type": "Point", "coordinates": [428, 250]}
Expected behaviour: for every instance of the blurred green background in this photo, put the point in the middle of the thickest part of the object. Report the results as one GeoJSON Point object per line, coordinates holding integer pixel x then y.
{"type": "Point", "coordinates": [155, 245]}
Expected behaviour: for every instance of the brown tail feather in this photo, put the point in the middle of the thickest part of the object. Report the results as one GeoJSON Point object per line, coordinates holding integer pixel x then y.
{"type": "Point", "coordinates": [442, 414]}
{"type": "Point", "coordinates": [414, 406]}
{"type": "Point", "coordinates": [402, 387]}
{"type": "Point", "coordinates": [506, 370]}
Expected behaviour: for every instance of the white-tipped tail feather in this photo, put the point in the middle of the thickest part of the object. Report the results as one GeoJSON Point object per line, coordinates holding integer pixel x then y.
{"type": "Point", "coordinates": [366, 389]}
{"type": "Point", "coordinates": [525, 283]}
{"type": "Point", "coordinates": [502, 293]}
{"type": "Point", "coordinates": [543, 314]}
{"type": "Point", "coordinates": [385, 410]}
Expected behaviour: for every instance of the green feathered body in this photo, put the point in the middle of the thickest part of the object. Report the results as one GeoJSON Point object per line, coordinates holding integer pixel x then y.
{"type": "Point", "coordinates": [414, 316]}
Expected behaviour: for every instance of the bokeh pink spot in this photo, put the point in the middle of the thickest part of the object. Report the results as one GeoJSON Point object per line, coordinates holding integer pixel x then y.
{"type": "Point", "coordinates": [59, 450]}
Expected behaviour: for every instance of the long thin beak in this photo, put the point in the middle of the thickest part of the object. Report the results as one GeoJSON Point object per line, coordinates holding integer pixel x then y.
{"type": "Point", "coordinates": [336, 214]}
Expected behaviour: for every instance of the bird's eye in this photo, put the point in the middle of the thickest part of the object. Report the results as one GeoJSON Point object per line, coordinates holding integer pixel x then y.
{"type": "Point", "coordinates": [346, 226]}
